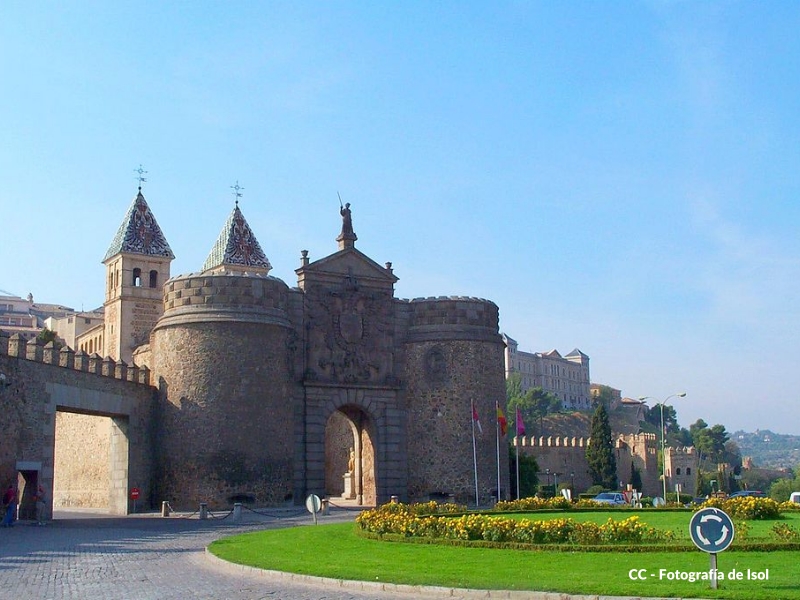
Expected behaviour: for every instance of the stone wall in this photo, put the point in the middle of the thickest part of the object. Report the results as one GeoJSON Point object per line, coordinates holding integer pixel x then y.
{"type": "Point", "coordinates": [82, 475]}
{"type": "Point", "coordinates": [43, 383]}
{"type": "Point", "coordinates": [221, 356]}
{"type": "Point", "coordinates": [565, 458]}
{"type": "Point", "coordinates": [453, 357]}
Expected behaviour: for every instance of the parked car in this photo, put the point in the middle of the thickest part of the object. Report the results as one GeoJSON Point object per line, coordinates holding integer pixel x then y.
{"type": "Point", "coordinates": [610, 498]}
{"type": "Point", "coordinates": [795, 497]}
{"type": "Point", "coordinates": [696, 501]}
{"type": "Point", "coordinates": [745, 493]}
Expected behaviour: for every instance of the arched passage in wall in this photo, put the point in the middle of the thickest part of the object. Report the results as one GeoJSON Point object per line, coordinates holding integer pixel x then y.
{"type": "Point", "coordinates": [350, 455]}
{"type": "Point", "coordinates": [90, 463]}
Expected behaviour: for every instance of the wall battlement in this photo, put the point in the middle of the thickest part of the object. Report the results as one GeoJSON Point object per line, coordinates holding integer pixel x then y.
{"type": "Point", "coordinates": [454, 310]}
{"type": "Point", "coordinates": [16, 346]}
{"type": "Point", "coordinates": [228, 289]}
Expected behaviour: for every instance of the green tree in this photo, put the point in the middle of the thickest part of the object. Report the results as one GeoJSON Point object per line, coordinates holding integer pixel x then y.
{"type": "Point", "coordinates": [653, 417]}
{"type": "Point", "coordinates": [709, 441]}
{"type": "Point", "coordinates": [534, 405]}
{"type": "Point", "coordinates": [46, 336]}
{"type": "Point", "coordinates": [604, 396]}
{"type": "Point", "coordinates": [636, 478]}
{"type": "Point", "coordinates": [528, 478]}
{"type": "Point", "coordinates": [600, 453]}
{"type": "Point", "coordinates": [782, 488]}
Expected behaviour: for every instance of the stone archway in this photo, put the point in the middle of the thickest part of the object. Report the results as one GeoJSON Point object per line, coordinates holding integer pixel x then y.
{"type": "Point", "coordinates": [350, 456]}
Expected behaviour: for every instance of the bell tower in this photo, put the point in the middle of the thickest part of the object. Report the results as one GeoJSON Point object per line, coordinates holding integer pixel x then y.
{"type": "Point", "coordinates": [137, 266]}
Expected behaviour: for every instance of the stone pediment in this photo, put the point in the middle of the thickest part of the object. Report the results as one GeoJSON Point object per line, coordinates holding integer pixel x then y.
{"type": "Point", "coordinates": [349, 264]}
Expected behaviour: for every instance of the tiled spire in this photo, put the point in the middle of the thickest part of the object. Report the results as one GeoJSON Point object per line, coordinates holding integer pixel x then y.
{"type": "Point", "coordinates": [237, 248]}
{"type": "Point", "coordinates": [139, 233]}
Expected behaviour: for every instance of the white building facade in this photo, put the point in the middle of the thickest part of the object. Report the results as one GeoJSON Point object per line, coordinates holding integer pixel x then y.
{"type": "Point", "coordinates": [566, 377]}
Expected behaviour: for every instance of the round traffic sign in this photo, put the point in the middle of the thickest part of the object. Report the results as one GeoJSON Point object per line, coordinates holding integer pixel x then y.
{"type": "Point", "coordinates": [313, 503]}
{"type": "Point", "coordinates": [711, 530]}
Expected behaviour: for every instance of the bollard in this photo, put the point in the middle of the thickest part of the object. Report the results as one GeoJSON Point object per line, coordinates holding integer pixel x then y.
{"type": "Point", "coordinates": [325, 506]}
{"type": "Point", "coordinates": [237, 512]}
{"type": "Point", "coordinates": [203, 510]}
{"type": "Point", "coordinates": [165, 509]}
{"type": "Point", "coordinates": [395, 499]}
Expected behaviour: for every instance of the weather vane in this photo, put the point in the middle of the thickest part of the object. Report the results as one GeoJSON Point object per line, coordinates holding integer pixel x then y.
{"type": "Point", "coordinates": [237, 191]}
{"type": "Point", "coordinates": [141, 177]}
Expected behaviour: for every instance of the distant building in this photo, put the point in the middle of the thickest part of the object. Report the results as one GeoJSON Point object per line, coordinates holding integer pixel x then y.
{"type": "Point", "coordinates": [72, 330]}
{"type": "Point", "coordinates": [566, 377]}
{"type": "Point", "coordinates": [26, 317]}
{"type": "Point", "coordinates": [681, 467]}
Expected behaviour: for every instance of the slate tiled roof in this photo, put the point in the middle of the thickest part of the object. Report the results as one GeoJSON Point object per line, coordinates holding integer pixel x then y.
{"type": "Point", "coordinates": [237, 246]}
{"type": "Point", "coordinates": [139, 233]}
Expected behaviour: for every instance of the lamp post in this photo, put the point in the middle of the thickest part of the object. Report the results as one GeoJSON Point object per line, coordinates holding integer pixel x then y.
{"type": "Point", "coordinates": [663, 437]}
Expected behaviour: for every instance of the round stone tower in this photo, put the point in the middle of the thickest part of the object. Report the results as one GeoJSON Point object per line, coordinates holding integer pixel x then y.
{"type": "Point", "coordinates": [454, 359]}
{"type": "Point", "coordinates": [221, 359]}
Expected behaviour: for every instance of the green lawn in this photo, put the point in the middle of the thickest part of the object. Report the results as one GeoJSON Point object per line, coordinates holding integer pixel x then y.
{"type": "Point", "coordinates": [336, 551]}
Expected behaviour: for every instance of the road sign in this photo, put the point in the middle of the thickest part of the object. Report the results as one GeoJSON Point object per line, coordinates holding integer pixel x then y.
{"type": "Point", "coordinates": [711, 530]}
{"type": "Point", "coordinates": [134, 493]}
{"type": "Point", "coordinates": [313, 504]}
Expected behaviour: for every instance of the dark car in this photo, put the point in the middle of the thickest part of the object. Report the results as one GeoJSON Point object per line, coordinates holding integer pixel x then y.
{"type": "Point", "coordinates": [745, 493]}
{"type": "Point", "coordinates": [696, 501]}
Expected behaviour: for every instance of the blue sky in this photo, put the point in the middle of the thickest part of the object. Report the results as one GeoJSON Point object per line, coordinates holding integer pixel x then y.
{"type": "Point", "coordinates": [621, 177]}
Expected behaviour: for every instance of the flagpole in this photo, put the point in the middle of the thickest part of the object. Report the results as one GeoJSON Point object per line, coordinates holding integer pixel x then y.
{"type": "Point", "coordinates": [516, 443]}
{"type": "Point", "coordinates": [474, 455]}
{"type": "Point", "coordinates": [497, 429]}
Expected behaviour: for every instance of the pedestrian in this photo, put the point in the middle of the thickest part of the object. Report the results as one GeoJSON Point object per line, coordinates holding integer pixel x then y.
{"type": "Point", "coordinates": [41, 505]}
{"type": "Point", "coordinates": [10, 504]}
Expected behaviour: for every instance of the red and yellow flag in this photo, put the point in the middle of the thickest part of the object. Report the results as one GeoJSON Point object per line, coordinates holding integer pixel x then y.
{"type": "Point", "coordinates": [501, 420]}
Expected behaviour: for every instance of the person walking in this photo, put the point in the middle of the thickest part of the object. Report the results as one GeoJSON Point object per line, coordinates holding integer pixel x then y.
{"type": "Point", "coordinates": [10, 504]}
{"type": "Point", "coordinates": [41, 505]}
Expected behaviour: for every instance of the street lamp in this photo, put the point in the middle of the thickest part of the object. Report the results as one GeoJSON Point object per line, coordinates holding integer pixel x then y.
{"type": "Point", "coordinates": [663, 437]}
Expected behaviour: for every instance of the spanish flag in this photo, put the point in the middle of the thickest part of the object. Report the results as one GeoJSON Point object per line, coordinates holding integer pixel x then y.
{"type": "Point", "coordinates": [476, 421]}
{"type": "Point", "coordinates": [501, 420]}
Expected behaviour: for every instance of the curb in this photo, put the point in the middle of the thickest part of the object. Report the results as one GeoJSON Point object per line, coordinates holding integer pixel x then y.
{"type": "Point", "coordinates": [416, 591]}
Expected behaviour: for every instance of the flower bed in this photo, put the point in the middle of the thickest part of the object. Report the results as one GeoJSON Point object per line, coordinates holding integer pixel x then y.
{"type": "Point", "coordinates": [403, 520]}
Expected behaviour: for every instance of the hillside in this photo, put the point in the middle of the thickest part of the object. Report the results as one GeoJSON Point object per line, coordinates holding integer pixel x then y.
{"type": "Point", "coordinates": [578, 424]}
{"type": "Point", "coordinates": [768, 449]}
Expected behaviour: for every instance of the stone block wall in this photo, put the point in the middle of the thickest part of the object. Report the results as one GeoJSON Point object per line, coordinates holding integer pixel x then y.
{"type": "Point", "coordinates": [44, 383]}
{"type": "Point", "coordinates": [565, 457]}
{"type": "Point", "coordinates": [453, 357]}
{"type": "Point", "coordinates": [227, 410]}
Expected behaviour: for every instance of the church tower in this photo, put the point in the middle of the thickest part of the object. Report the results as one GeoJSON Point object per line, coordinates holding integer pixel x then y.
{"type": "Point", "coordinates": [137, 266]}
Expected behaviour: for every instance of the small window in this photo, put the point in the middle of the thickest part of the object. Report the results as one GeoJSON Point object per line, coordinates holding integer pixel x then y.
{"type": "Point", "coordinates": [153, 279]}
{"type": "Point", "coordinates": [688, 470]}
{"type": "Point", "coordinates": [137, 277]}
{"type": "Point", "coordinates": [677, 471]}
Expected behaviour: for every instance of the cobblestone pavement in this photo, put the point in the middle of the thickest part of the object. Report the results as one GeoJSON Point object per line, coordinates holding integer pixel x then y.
{"type": "Point", "coordinates": [148, 557]}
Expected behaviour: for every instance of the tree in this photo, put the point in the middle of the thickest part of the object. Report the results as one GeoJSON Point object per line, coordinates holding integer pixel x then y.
{"type": "Point", "coordinates": [534, 405]}
{"type": "Point", "coordinates": [46, 336]}
{"type": "Point", "coordinates": [709, 441]}
{"type": "Point", "coordinates": [528, 478]}
{"type": "Point", "coordinates": [782, 488]}
{"type": "Point", "coordinates": [636, 478]}
{"type": "Point", "coordinates": [600, 453]}
{"type": "Point", "coordinates": [653, 416]}
{"type": "Point", "coordinates": [604, 396]}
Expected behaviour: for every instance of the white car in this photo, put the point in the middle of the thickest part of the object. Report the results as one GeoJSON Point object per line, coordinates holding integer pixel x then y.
{"type": "Point", "coordinates": [610, 498]}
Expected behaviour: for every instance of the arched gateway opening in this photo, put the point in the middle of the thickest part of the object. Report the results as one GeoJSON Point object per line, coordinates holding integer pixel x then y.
{"type": "Point", "coordinates": [350, 456]}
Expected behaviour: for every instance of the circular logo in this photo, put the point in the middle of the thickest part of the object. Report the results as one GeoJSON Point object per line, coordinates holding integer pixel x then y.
{"type": "Point", "coordinates": [711, 530]}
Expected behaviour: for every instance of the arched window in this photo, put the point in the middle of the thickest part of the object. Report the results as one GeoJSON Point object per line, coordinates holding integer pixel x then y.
{"type": "Point", "coordinates": [678, 471]}
{"type": "Point", "coordinates": [137, 277]}
{"type": "Point", "coordinates": [153, 278]}
{"type": "Point", "coordinates": [688, 470]}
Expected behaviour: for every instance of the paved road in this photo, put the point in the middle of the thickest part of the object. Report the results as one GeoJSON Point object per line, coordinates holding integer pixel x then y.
{"type": "Point", "coordinates": [147, 557]}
